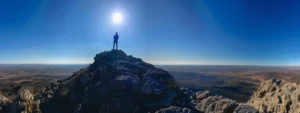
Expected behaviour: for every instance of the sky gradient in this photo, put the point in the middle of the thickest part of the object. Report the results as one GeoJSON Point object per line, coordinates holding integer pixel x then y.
{"type": "Point", "coordinates": [226, 32]}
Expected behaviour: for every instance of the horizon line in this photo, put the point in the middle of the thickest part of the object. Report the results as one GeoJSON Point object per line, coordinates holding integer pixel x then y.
{"type": "Point", "coordinates": [152, 64]}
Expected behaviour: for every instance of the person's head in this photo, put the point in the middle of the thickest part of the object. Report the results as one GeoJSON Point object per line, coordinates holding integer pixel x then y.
{"type": "Point", "coordinates": [116, 33]}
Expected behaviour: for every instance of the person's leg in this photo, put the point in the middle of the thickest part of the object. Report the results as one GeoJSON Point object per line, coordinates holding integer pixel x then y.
{"type": "Point", "coordinates": [114, 45]}
{"type": "Point", "coordinates": [117, 45]}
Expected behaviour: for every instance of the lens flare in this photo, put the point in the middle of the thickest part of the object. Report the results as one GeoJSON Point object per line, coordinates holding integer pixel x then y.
{"type": "Point", "coordinates": [117, 17]}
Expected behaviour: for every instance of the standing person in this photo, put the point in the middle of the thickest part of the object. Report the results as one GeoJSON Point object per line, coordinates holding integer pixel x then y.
{"type": "Point", "coordinates": [116, 37]}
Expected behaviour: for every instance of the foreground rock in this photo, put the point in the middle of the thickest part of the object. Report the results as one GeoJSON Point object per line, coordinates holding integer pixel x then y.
{"type": "Point", "coordinates": [206, 102]}
{"type": "Point", "coordinates": [245, 109]}
{"type": "Point", "coordinates": [25, 103]}
{"type": "Point", "coordinates": [4, 102]}
{"type": "Point", "coordinates": [276, 96]}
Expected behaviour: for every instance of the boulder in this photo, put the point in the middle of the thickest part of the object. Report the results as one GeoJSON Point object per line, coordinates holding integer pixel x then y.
{"type": "Point", "coordinates": [208, 103]}
{"type": "Point", "coordinates": [222, 106]}
{"type": "Point", "coordinates": [202, 95]}
{"type": "Point", "coordinates": [245, 109]}
{"type": "Point", "coordinates": [174, 109]}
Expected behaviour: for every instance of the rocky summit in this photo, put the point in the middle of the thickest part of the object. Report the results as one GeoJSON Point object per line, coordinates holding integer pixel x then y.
{"type": "Point", "coordinates": [119, 83]}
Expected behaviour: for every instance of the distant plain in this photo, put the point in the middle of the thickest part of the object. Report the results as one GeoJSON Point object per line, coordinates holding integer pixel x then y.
{"type": "Point", "coordinates": [237, 82]}
{"type": "Point", "coordinates": [232, 81]}
{"type": "Point", "coordinates": [17, 77]}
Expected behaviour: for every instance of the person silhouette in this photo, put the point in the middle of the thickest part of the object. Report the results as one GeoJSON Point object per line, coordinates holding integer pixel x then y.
{"type": "Point", "coordinates": [116, 37]}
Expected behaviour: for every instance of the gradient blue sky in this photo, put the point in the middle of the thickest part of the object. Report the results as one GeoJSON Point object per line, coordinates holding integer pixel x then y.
{"type": "Point", "coordinates": [242, 32]}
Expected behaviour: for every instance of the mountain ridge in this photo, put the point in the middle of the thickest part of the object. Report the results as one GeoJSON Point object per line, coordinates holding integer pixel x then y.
{"type": "Point", "coordinates": [119, 83]}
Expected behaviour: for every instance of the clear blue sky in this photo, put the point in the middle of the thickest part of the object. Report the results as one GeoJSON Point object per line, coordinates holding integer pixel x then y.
{"type": "Point", "coordinates": [250, 32]}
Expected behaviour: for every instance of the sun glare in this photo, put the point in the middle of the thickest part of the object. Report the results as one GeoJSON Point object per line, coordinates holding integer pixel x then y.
{"type": "Point", "coordinates": [117, 17]}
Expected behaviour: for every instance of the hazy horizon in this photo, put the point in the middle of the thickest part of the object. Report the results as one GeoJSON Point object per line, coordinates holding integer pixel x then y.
{"type": "Point", "coordinates": [153, 64]}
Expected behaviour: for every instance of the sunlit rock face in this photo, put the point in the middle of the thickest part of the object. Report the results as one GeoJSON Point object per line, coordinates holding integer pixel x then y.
{"type": "Point", "coordinates": [277, 96]}
{"type": "Point", "coordinates": [25, 103]}
{"type": "Point", "coordinates": [4, 102]}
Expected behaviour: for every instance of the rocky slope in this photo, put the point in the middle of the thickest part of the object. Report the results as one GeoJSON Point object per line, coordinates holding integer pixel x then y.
{"type": "Point", "coordinates": [277, 96]}
{"type": "Point", "coordinates": [118, 83]}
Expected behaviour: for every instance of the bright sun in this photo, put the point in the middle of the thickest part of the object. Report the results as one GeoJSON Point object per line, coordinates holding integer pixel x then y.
{"type": "Point", "coordinates": [117, 17]}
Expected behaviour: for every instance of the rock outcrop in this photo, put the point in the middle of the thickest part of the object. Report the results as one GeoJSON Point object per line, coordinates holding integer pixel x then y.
{"type": "Point", "coordinates": [277, 96]}
{"type": "Point", "coordinates": [4, 102]}
{"type": "Point", "coordinates": [116, 82]}
{"type": "Point", "coordinates": [206, 102]}
{"type": "Point", "coordinates": [25, 103]}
